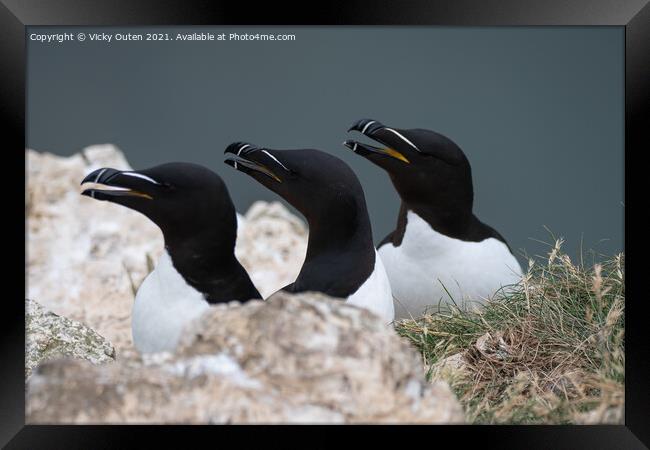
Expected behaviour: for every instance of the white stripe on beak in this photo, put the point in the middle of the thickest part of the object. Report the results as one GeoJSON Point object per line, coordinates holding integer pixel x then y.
{"type": "Point", "coordinates": [402, 137]}
{"type": "Point", "coordinates": [139, 175]}
{"type": "Point", "coordinates": [275, 159]}
{"type": "Point", "coordinates": [99, 176]}
{"type": "Point", "coordinates": [367, 125]}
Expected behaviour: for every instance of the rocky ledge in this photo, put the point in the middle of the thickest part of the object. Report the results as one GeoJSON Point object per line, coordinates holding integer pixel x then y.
{"type": "Point", "coordinates": [292, 359]}
{"type": "Point", "coordinates": [49, 336]}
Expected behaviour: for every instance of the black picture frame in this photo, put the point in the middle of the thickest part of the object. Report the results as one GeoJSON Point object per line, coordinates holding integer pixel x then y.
{"type": "Point", "coordinates": [15, 15]}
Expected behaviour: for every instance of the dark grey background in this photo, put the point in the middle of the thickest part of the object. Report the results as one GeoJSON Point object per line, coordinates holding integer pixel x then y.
{"type": "Point", "coordinates": [538, 111]}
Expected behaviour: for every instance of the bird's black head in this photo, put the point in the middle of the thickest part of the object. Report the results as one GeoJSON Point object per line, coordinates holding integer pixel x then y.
{"type": "Point", "coordinates": [340, 252]}
{"type": "Point", "coordinates": [319, 185]}
{"type": "Point", "coordinates": [185, 200]}
{"type": "Point", "coordinates": [426, 167]}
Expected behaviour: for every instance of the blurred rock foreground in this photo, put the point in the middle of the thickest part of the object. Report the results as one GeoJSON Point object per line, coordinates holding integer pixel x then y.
{"type": "Point", "coordinates": [302, 359]}
{"type": "Point", "coordinates": [292, 359]}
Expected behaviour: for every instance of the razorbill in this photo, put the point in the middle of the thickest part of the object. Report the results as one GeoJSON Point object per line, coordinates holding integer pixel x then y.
{"type": "Point", "coordinates": [192, 207]}
{"type": "Point", "coordinates": [440, 252]}
{"type": "Point", "coordinates": [341, 260]}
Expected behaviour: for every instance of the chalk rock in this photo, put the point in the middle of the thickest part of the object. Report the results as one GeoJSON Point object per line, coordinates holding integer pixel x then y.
{"type": "Point", "coordinates": [271, 245]}
{"type": "Point", "coordinates": [85, 257]}
{"type": "Point", "coordinates": [49, 336]}
{"type": "Point", "coordinates": [293, 359]}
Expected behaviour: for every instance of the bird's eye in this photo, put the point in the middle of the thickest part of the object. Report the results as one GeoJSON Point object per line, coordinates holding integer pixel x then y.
{"type": "Point", "coordinates": [166, 185]}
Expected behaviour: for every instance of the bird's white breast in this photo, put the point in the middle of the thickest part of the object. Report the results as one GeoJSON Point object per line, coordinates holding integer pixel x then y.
{"type": "Point", "coordinates": [428, 264]}
{"type": "Point", "coordinates": [164, 304]}
{"type": "Point", "coordinates": [375, 293]}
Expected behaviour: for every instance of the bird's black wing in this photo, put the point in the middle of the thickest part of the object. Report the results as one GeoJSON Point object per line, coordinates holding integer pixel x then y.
{"type": "Point", "coordinates": [395, 237]}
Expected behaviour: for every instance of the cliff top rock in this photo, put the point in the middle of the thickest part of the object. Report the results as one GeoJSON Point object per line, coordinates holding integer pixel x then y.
{"type": "Point", "coordinates": [293, 359]}
{"type": "Point", "coordinates": [49, 336]}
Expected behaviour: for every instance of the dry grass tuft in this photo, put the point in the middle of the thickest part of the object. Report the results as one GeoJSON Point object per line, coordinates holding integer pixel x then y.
{"type": "Point", "coordinates": [547, 350]}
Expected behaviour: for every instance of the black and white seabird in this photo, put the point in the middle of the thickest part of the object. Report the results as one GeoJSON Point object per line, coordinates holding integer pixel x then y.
{"type": "Point", "coordinates": [439, 249]}
{"type": "Point", "coordinates": [341, 260]}
{"type": "Point", "coordinates": [192, 207]}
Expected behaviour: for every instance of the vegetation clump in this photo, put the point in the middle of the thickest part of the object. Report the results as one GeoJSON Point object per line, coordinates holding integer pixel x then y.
{"type": "Point", "coordinates": [549, 350]}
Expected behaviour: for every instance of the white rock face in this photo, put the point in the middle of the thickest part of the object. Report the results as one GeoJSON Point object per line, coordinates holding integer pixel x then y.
{"type": "Point", "coordinates": [302, 358]}
{"type": "Point", "coordinates": [84, 255]}
{"type": "Point", "coordinates": [85, 258]}
{"type": "Point", "coordinates": [271, 245]}
{"type": "Point", "coordinates": [49, 336]}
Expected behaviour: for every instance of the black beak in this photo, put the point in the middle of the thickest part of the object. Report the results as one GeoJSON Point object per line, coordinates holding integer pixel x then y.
{"type": "Point", "coordinates": [248, 158]}
{"type": "Point", "coordinates": [124, 184]}
{"type": "Point", "coordinates": [376, 131]}
{"type": "Point", "coordinates": [366, 126]}
{"type": "Point", "coordinates": [100, 176]}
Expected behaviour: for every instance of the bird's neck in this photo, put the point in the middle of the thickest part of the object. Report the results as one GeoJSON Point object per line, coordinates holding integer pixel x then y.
{"type": "Point", "coordinates": [340, 256]}
{"type": "Point", "coordinates": [453, 222]}
{"type": "Point", "coordinates": [446, 207]}
{"type": "Point", "coordinates": [208, 264]}
{"type": "Point", "coordinates": [339, 231]}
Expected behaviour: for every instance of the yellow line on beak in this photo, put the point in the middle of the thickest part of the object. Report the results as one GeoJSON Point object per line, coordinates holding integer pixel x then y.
{"type": "Point", "coordinates": [268, 172]}
{"type": "Point", "coordinates": [397, 155]}
{"type": "Point", "coordinates": [140, 194]}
